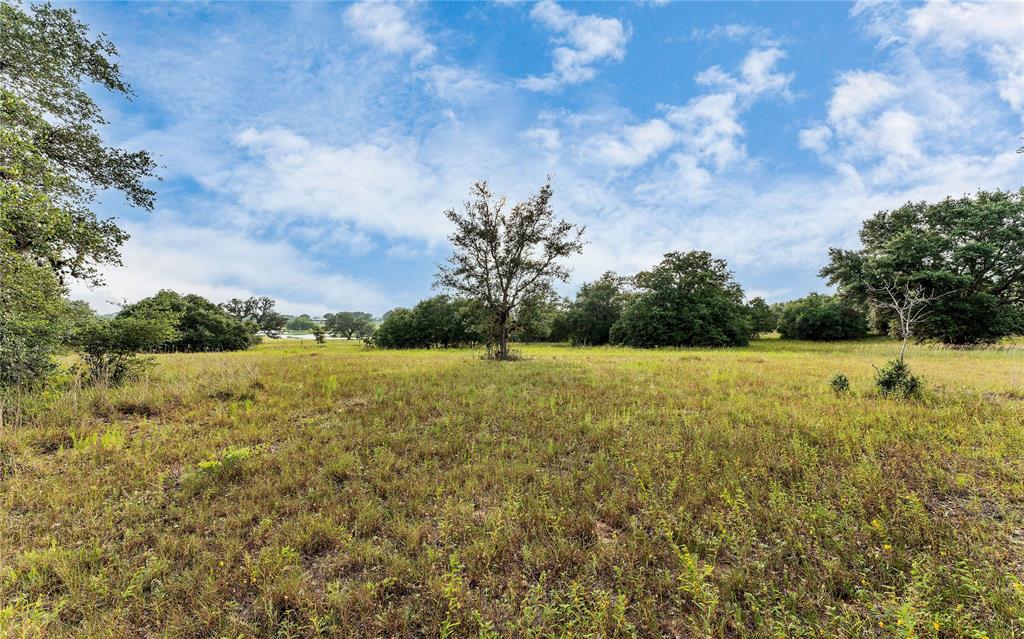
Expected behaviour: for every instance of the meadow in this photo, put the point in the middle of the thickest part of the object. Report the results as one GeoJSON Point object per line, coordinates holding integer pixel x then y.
{"type": "Point", "coordinates": [297, 490]}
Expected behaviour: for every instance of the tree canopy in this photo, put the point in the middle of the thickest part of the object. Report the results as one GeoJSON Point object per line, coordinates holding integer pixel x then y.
{"type": "Point", "coordinates": [52, 164]}
{"type": "Point", "coordinates": [967, 253]}
{"type": "Point", "coordinates": [52, 158]}
{"type": "Point", "coordinates": [689, 299]}
{"type": "Point", "coordinates": [436, 322]}
{"type": "Point", "coordinates": [349, 324]}
{"type": "Point", "coordinates": [301, 323]}
{"type": "Point", "coordinates": [502, 258]}
{"type": "Point", "coordinates": [259, 310]}
{"type": "Point", "coordinates": [200, 324]}
{"type": "Point", "coordinates": [823, 318]}
{"type": "Point", "coordinates": [598, 305]}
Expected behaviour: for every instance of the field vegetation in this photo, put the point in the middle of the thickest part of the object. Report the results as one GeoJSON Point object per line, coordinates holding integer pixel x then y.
{"type": "Point", "coordinates": [304, 490]}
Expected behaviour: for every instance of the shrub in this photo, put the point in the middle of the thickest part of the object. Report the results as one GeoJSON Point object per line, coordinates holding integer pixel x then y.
{"type": "Point", "coordinates": [820, 318]}
{"type": "Point", "coordinates": [33, 314]}
{"type": "Point", "coordinates": [839, 383]}
{"type": "Point", "coordinates": [895, 380]}
{"type": "Point", "coordinates": [226, 467]}
{"type": "Point", "coordinates": [110, 347]}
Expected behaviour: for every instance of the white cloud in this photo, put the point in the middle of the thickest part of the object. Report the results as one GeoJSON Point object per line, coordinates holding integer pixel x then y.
{"type": "Point", "coordinates": [757, 75]}
{"type": "Point", "coordinates": [457, 84]}
{"type": "Point", "coordinates": [815, 138]}
{"type": "Point", "coordinates": [927, 103]}
{"type": "Point", "coordinates": [380, 185]}
{"type": "Point", "coordinates": [858, 93]}
{"type": "Point", "coordinates": [223, 263]}
{"type": "Point", "coordinates": [633, 147]}
{"type": "Point", "coordinates": [582, 41]}
{"type": "Point", "coordinates": [995, 29]}
{"type": "Point", "coordinates": [386, 25]}
{"type": "Point", "coordinates": [710, 127]}
{"type": "Point", "coordinates": [547, 138]}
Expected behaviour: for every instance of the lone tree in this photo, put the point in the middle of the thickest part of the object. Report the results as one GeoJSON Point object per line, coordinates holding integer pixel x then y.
{"type": "Point", "coordinates": [502, 258]}
{"type": "Point", "coordinates": [909, 306]}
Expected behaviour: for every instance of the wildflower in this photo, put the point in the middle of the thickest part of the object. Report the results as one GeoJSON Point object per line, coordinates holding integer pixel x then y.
{"type": "Point", "coordinates": [886, 547]}
{"type": "Point", "coordinates": [937, 625]}
{"type": "Point", "coordinates": [881, 624]}
{"type": "Point", "coordinates": [220, 563]}
{"type": "Point", "coordinates": [875, 523]}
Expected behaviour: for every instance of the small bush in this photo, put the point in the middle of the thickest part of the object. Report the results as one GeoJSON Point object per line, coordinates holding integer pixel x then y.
{"type": "Point", "coordinates": [839, 383]}
{"type": "Point", "coordinates": [109, 347]}
{"type": "Point", "coordinates": [895, 380]}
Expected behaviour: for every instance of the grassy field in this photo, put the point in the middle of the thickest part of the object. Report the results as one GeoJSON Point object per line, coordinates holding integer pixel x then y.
{"type": "Point", "coordinates": [298, 490]}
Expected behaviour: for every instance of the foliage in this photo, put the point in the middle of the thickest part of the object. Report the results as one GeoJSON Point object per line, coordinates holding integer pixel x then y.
{"type": "Point", "coordinates": [437, 322]}
{"type": "Point", "coordinates": [52, 164]}
{"type": "Point", "coordinates": [541, 318]}
{"type": "Point", "coordinates": [301, 323]}
{"type": "Point", "coordinates": [839, 383]}
{"type": "Point", "coordinates": [258, 310]}
{"type": "Point", "coordinates": [502, 259]}
{"type": "Point", "coordinates": [110, 347]}
{"type": "Point", "coordinates": [689, 299]}
{"type": "Point", "coordinates": [33, 320]}
{"type": "Point", "coordinates": [319, 334]}
{"type": "Point", "coordinates": [349, 324]}
{"type": "Point", "coordinates": [598, 305]}
{"type": "Point", "coordinates": [821, 317]}
{"type": "Point", "coordinates": [200, 324]}
{"type": "Point", "coordinates": [763, 318]}
{"type": "Point", "coordinates": [895, 380]}
{"type": "Point", "coordinates": [710, 493]}
{"type": "Point", "coordinates": [968, 253]}
{"type": "Point", "coordinates": [52, 158]}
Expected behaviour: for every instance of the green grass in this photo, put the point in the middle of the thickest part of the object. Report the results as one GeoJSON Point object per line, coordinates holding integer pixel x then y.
{"type": "Point", "coordinates": [298, 490]}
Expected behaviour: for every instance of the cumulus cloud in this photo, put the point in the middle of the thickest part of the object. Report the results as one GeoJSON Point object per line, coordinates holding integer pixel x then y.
{"type": "Point", "coordinates": [893, 123]}
{"type": "Point", "coordinates": [386, 25]}
{"type": "Point", "coordinates": [757, 75]}
{"type": "Point", "coordinates": [633, 146]}
{"type": "Point", "coordinates": [380, 185]}
{"type": "Point", "coordinates": [583, 41]}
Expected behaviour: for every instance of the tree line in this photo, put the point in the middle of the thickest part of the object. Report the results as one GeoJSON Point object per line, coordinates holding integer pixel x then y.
{"type": "Point", "coordinates": [951, 271]}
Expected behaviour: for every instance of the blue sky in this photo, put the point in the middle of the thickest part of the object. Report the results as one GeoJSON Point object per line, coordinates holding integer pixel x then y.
{"type": "Point", "coordinates": [309, 150]}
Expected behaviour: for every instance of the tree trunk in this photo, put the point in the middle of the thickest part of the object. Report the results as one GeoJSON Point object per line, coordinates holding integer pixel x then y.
{"type": "Point", "coordinates": [503, 341]}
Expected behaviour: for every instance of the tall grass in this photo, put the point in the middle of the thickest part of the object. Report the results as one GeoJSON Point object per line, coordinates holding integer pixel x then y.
{"type": "Point", "coordinates": [298, 490]}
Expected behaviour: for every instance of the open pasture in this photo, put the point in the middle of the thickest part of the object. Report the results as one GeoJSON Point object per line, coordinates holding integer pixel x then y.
{"type": "Point", "coordinates": [297, 490]}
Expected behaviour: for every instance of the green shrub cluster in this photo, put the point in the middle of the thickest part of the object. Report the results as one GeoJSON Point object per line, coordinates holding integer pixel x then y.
{"type": "Point", "coordinates": [437, 322]}
{"type": "Point", "coordinates": [821, 317]}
